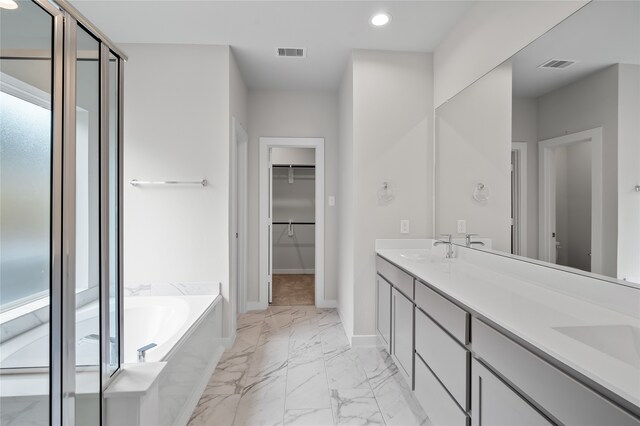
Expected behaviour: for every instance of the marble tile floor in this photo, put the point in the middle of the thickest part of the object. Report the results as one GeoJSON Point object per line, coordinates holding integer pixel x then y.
{"type": "Point", "coordinates": [293, 365]}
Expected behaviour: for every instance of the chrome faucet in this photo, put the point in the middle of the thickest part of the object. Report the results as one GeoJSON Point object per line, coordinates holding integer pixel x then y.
{"type": "Point", "coordinates": [142, 352]}
{"type": "Point", "coordinates": [469, 240]}
{"type": "Point", "coordinates": [449, 253]}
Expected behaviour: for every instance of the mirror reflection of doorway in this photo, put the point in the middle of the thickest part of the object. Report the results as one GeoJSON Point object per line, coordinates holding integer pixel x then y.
{"type": "Point", "coordinates": [293, 212]}
{"type": "Point", "coordinates": [570, 200]}
{"type": "Point", "coordinates": [573, 205]}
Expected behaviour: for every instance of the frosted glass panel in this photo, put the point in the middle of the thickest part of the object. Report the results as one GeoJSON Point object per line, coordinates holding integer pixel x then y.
{"type": "Point", "coordinates": [25, 152]}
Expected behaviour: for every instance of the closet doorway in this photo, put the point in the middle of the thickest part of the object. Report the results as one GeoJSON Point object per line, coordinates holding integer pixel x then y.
{"type": "Point", "coordinates": [293, 244]}
{"type": "Point", "coordinates": [292, 215]}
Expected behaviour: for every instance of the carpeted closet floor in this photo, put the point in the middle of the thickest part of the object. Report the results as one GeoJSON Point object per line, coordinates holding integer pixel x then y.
{"type": "Point", "coordinates": [290, 290]}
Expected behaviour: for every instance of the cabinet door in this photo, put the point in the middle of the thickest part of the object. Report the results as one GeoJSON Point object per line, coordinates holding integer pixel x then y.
{"type": "Point", "coordinates": [495, 404]}
{"type": "Point", "coordinates": [383, 314]}
{"type": "Point", "coordinates": [402, 332]}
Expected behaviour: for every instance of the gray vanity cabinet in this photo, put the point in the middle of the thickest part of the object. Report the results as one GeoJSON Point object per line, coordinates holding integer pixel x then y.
{"type": "Point", "coordinates": [383, 313]}
{"type": "Point", "coordinates": [495, 404]}
{"type": "Point", "coordinates": [464, 370]}
{"type": "Point", "coordinates": [402, 332]}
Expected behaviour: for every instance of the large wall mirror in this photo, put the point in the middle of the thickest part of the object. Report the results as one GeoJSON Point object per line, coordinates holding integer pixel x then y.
{"type": "Point", "coordinates": [541, 156]}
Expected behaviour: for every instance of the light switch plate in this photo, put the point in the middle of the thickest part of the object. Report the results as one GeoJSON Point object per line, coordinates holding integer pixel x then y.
{"type": "Point", "coordinates": [404, 226]}
{"type": "Point", "coordinates": [332, 200]}
{"type": "Point", "coordinates": [462, 226]}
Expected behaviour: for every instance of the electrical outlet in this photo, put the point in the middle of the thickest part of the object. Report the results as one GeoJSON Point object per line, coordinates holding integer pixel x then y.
{"type": "Point", "coordinates": [332, 200]}
{"type": "Point", "coordinates": [462, 226]}
{"type": "Point", "coordinates": [404, 226]}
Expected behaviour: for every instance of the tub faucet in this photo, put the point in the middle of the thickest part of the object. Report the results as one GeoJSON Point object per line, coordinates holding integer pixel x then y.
{"type": "Point", "coordinates": [449, 253]}
{"type": "Point", "coordinates": [469, 240]}
{"type": "Point", "coordinates": [142, 352]}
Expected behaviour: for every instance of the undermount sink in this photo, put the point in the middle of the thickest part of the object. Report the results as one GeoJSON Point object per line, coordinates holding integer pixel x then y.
{"type": "Point", "coordinates": [619, 341]}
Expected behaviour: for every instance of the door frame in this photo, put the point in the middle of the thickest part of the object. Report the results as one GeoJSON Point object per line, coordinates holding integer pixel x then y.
{"type": "Point", "coordinates": [238, 217]}
{"type": "Point", "coordinates": [266, 143]}
{"type": "Point", "coordinates": [546, 243]}
{"type": "Point", "coordinates": [520, 149]}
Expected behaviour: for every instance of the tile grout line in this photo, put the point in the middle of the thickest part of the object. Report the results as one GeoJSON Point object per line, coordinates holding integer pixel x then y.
{"type": "Point", "coordinates": [250, 359]}
{"type": "Point", "coordinates": [286, 375]}
{"type": "Point", "coordinates": [326, 376]}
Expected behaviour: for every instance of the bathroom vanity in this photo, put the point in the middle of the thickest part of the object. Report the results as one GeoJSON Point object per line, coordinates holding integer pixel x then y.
{"type": "Point", "coordinates": [485, 339]}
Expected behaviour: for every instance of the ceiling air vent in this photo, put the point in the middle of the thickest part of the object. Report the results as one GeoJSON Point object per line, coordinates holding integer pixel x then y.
{"type": "Point", "coordinates": [558, 64]}
{"type": "Point", "coordinates": [291, 52]}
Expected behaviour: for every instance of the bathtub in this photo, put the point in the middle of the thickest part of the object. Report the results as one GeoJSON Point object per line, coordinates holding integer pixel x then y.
{"type": "Point", "coordinates": [149, 319]}
{"type": "Point", "coordinates": [188, 332]}
{"type": "Point", "coordinates": [186, 329]}
{"type": "Point", "coordinates": [163, 320]}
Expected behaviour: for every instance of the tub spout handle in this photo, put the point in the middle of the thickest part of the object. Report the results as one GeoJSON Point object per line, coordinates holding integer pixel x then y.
{"type": "Point", "coordinates": [142, 352]}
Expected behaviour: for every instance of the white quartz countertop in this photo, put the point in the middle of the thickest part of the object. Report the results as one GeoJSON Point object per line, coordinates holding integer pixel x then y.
{"type": "Point", "coordinates": [538, 313]}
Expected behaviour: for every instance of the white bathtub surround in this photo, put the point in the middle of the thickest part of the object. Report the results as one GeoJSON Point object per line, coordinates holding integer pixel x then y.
{"type": "Point", "coordinates": [188, 332]}
{"type": "Point", "coordinates": [541, 306]}
{"type": "Point", "coordinates": [172, 289]}
{"type": "Point", "coordinates": [294, 365]}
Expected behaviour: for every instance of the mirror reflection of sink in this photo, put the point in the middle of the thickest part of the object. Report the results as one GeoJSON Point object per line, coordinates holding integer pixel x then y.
{"type": "Point", "coordinates": [619, 341]}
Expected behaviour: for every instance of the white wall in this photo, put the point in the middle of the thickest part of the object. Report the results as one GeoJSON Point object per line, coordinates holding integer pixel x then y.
{"type": "Point", "coordinates": [489, 34]}
{"type": "Point", "coordinates": [525, 129]}
{"type": "Point", "coordinates": [345, 202]}
{"type": "Point", "coordinates": [392, 141]}
{"type": "Point", "coordinates": [293, 114]}
{"type": "Point", "coordinates": [474, 146]}
{"type": "Point", "coordinates": [298, 156]}
{"type": "Point", "coordinates": [586, 104]}
{"type": "Point", "coordinates": [177, 128]}
{"type": "Point", "coordinates": [629, 172]}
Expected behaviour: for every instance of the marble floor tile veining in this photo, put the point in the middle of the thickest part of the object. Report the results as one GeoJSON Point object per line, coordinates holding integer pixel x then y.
{"type": "Point", "coordinates": [293, 365]}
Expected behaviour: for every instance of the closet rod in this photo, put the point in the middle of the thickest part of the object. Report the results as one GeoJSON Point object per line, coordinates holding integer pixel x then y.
{"type": "Point", "coordinates": [295, 166]}
{"type": "Point", "coordinates": [293, 223]}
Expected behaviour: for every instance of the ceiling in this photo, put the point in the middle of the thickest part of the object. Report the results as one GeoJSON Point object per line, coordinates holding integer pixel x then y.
{"type": "Point", "coordinates": [600, 34]}
{"type": "Point", "coordinates": [328, 29]}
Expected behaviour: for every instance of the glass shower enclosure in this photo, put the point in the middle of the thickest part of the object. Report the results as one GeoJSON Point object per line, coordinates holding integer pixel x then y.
{"type": "Point", "coordinates": [60, 233]}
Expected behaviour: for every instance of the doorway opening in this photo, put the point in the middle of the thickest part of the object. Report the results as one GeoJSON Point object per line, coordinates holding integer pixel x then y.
{"type": "Point", "coordinates": [571, 200]}
{"type": "Point", "coordinates": [292, 217]}
{"type": "Point", "coordinates": [293, 211]}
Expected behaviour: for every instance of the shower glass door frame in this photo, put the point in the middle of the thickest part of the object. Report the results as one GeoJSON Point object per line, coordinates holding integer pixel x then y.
{"type": "Point", "coordinates": [63, 290]}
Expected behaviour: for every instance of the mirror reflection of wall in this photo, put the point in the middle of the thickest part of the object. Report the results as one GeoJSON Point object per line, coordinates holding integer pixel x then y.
{"type": "Point", "coordinates": [575, 147]}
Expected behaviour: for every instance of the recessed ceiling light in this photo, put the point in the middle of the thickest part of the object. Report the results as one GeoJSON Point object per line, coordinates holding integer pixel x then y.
{"type": "Point", "coordinates": [380, 19]}
{"type": "Point", "coordinates": [8, 4]}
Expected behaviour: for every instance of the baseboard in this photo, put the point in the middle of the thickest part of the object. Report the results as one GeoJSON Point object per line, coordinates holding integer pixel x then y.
{"type": "Point", "coordinates": [294, 271]}
{"type": "Point", "coordinates": [364, 340]}
{"type": "Point", "coordinates": [229, 341]}
{"type": "Point", "coordinates": [256, 306]}
{"type": "Point", "coordinates": [187, 409]}
{"type": "Point", "coordinates": [344, 325]}
{"type": "Point", "coordinates": [327, 304]}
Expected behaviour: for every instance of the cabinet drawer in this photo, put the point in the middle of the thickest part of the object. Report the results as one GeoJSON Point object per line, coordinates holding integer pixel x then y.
{"type": "Point", "coordinates": [496, 404]}
{"type": "Point", "coordinates": [446, 357]}
{"type": "Point", "coordinates": [448, 315]}
{"type": "Point", "coordinates": [397, 277]}
{"type": "Point", "coordinates": [558, 394]}
{"type": "Point", "coordinates": [435, 400]}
